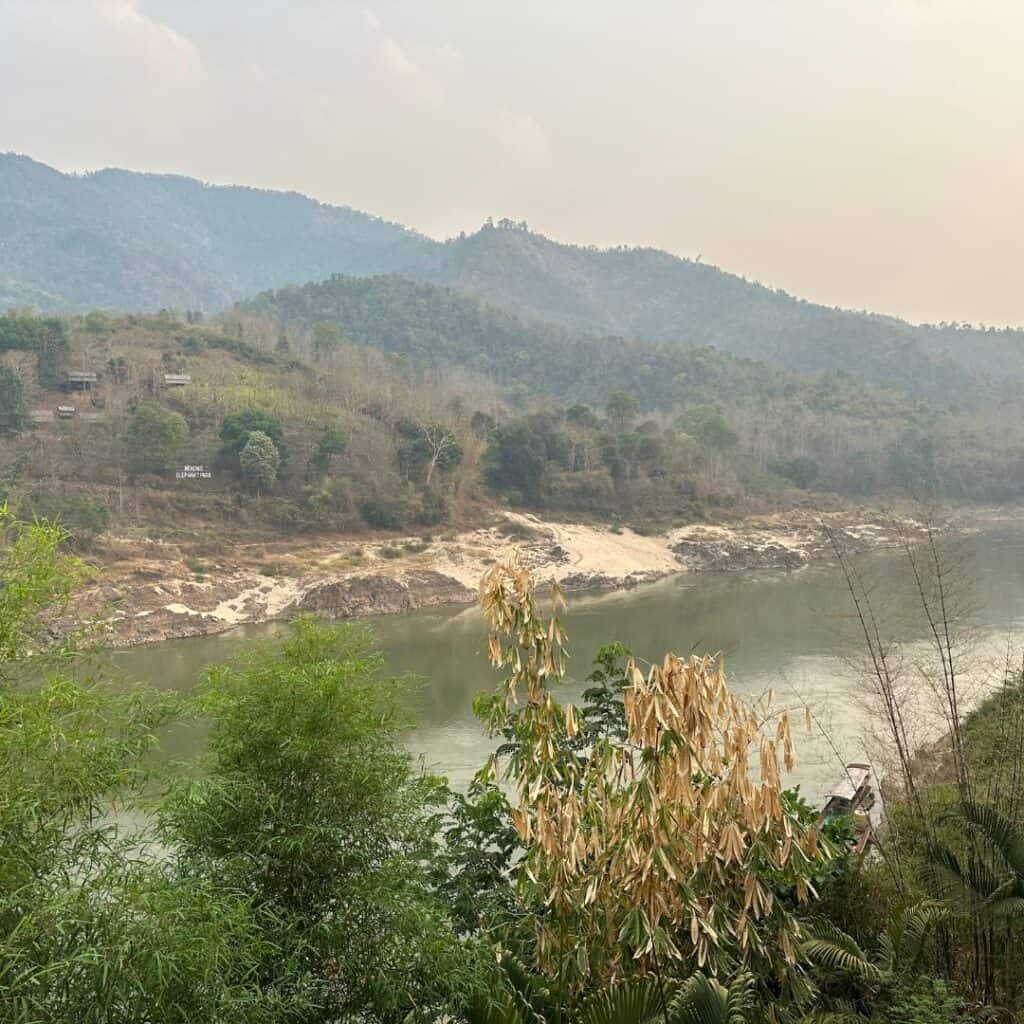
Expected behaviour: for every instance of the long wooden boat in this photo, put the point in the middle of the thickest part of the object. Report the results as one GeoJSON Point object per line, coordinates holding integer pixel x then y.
{"type": "Point", "coordinates": [856, 795]}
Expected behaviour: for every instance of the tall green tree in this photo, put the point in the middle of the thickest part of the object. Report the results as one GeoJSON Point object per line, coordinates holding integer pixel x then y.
{"type": "Point", "coordinates": [309, 804]}
{"type": "Point", "coordinates": [259, 461]}
{"type": "Point", "coordinates": [622, 410]}
{"type": "Point", "coordinates": [12, 402]}
{"type": "Point", "coordinates": [157, 437]}
{"type": "Point", "coordinates": [519, 453]}
{"type": "Point", "coordinates": [423, 450]}
{"type": "Point", "coordinates": [47, 337]}
{"type": "Point", "coordinates": [90, 932]}
{"type": "Point", "coordinates": [333, 441]}
{"type": "Point", "coordinates": [707, 425]}
{"type": "Point", "coordinates": [236, 428]}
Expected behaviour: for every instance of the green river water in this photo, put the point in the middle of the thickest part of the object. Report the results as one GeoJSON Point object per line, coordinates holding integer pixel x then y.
{"type": "Point", "coordinates": [790, 631]}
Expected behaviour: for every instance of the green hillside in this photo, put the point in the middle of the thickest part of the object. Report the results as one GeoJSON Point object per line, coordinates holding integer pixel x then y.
{"type": "Point", "coordinates": [383, 403]}
{"type": "Point", "coordinates": [438, 327]}
{"type": "Point", "coordinates": [638, 292]}
{"type": "Point", "coordinates": [127, 241]}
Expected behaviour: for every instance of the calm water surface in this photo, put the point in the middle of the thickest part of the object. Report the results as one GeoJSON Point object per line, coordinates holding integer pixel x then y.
{"type": "Point", "coordinates": [789, 631]}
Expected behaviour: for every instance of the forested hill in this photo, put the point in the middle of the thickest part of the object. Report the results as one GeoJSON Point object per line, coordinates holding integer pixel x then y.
{"type": "Point", "coordinates": [142, 242]}
{"type": "Point", "coordinates": [123, 240]}
{"type": "Point", "coordinates": [651, 294]}
{"type": "Point", "coordinates": [434, 326]}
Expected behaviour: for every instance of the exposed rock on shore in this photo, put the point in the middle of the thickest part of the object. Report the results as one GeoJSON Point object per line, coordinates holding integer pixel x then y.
{"type": "Point", "coordinates": [780, 544]}
{"type": "Point", "coordinates": [382, 595]}
{"type": "Point", "coordinates": [733, 555]}
{"type": "Point", "coordinates": [163, 596]}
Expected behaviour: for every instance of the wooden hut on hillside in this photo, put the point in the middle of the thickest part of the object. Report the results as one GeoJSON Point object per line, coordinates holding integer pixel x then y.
{"type": "Point", "coordinates": [80, 380]}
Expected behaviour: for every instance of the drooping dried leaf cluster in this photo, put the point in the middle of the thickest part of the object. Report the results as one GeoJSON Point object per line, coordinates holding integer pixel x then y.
{"type": "Point", "coordinates": [665, 847]}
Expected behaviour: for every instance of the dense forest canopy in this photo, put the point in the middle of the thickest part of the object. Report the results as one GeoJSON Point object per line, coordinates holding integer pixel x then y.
{"type": "Point", "coordinates": [122, 240]}
{"type": "Point", "coordinates": [437, 326]}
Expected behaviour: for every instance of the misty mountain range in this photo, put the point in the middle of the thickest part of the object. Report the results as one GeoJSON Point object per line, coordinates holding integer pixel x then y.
{"type": "Point", "coordinates": [123, 240]}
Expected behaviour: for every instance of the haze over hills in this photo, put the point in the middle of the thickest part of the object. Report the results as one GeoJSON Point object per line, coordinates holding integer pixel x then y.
{"type": "Point", "coordinates": [141, 242]}
{"type": "Point", "coordinates": [124, 240]}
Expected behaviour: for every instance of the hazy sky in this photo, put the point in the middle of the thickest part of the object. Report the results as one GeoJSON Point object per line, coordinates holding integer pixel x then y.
{"type": "Point", "coordinates": [865, 153]}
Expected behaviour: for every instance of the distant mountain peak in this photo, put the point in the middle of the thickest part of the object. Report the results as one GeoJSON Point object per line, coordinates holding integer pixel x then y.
{"type": "Point", "coordinates": [138, 241]}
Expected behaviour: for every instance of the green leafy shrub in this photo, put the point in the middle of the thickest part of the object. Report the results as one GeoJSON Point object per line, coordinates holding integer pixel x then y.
{"type": "Point", "coordinates": [12, 403]}
{"type": "Point", "coordinates": [385, 513]}
{"type": "Point", "coordinates": [800, 472]}
{"type": "Point", "coordinates": [236, 428]}
{"type": "Point", "coordinates": [82, 516]}
{"type": "Point", "coordinates": [156, 439]}
{"type": "Point", "coordinates": [432, 509]}
{"type": "Point", "coordinates": [310, 804]}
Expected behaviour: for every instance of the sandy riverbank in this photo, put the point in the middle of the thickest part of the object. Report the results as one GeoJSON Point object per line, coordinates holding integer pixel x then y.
{"type": "Point", "coordinates": [157, 595]}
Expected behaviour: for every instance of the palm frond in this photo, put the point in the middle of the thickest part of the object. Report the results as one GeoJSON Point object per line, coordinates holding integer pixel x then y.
{"type": "Point", "coordinates": [945, 859]}
{"type": "Point", "coordinates": [634, 1001]}
{"type": "Point", "coordinates": [531, 988]}
{"type": "Point", "coordinates": [835, 957]}
{"type": "Point", "coordinates": [1002, 833]}
{"type": "Point", "coordinates": [520, 997]}
{"type": "Point", "coordinates": [1008, 906]}
{"type": "Point", "coordinates": [500, 1007]}
{"type": "Point", "coordinates": [833, 1016]}
{"type": "Point", "coordinates": [703, 1000]}
{"type": "Point", "coordinates": [976, 874]}
{"type": "Point", "coordinates": [904, 939]}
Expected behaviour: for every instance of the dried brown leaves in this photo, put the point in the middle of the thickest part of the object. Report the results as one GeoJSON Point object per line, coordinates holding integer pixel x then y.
{"type": "Point", "coordinates": [661, 847]}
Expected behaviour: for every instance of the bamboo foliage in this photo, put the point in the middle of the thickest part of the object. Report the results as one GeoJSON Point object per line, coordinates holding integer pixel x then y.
{"type": "Point", "coordinates": [669, 848]}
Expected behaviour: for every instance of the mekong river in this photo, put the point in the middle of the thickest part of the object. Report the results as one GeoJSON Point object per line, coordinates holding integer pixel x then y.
{"type": "Point", "coordinates": [788, 631]}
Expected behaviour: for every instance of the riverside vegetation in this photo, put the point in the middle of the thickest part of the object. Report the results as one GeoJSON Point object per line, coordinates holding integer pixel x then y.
{"type": "Point", "coordinates": [620, 860]}
{"type": "Point", "coordinates": [423, 386]}
{"type": "Point", "coordinates": [634, 858]}
{"type": "Point", "coordinates": [376, 404]}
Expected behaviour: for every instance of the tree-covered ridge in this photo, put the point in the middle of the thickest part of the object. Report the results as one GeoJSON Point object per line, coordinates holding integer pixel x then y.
{"type": "Point", "coordinates": [420, 407]}
{"type": "Point", "coordinates": [123, 240]}
{"type": "Point", "coordinates": [648, 293]}
{"type": "Point", "coordinates": [120, 240]}
{"type": "Point", "coordinates": [436, 326]}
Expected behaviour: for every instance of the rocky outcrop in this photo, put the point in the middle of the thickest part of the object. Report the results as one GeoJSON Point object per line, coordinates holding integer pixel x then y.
{"type": "Point", "coordinates": [382, 595]}
{"type": "Point", "coordinates": [602, 581]}
{"type": "Point", "coordinates": [785, 543]}
{"type": "Point", "coordinates": [735, 555]}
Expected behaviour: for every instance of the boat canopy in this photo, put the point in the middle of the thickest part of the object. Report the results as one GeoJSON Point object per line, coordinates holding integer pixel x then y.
{"type": "Point", "coordinates": [856, 778]}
